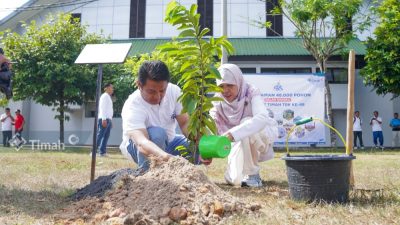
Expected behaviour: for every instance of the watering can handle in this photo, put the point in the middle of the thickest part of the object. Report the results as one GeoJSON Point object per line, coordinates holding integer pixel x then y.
{"type": "Point", "coordinates": [306, 120]}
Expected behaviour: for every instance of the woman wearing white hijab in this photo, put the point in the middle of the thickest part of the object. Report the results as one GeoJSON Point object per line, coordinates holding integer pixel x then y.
{"type": "Point", "coordinates": [243, 118]}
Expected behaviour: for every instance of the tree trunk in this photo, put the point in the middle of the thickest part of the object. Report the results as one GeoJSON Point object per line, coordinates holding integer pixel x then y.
{"type": "Point", "coordinates": [328, 103]}
{"type": "Point", "coordinates": [61, 119]}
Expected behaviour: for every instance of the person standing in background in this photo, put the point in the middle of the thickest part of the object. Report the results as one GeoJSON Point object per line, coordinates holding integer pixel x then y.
{"type": "Point", "coordinates": [105, 116]}
{"type": "Point", "coordinates": [19, 125]}
{"type": "Point", "coordinates": [376, 125]}
{"type": "Point", "coordinates": [395, 125]}
{"type": "Point", "coordinates": [357, 130]}
{"type": "Point", "coordinates": [6, 126]}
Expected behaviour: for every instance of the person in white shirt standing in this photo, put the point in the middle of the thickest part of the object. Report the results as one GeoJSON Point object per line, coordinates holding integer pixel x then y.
{"type": "Point", "coordinates": [105, 118]}
{"type": "Point", "coordinates": [376, 125]}
{"type": "Point", "coordinates": [149, 117]}
{"type": "Point", "coordinates": [243, 118]}
{"type": "Point", "coordinates": [6, 126]}
{"type": "Point", "coordinates": [357, 130]}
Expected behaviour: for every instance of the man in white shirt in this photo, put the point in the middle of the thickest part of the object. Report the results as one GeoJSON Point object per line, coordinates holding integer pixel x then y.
{"type": "Point", "coordinates": [105, 117]}
{"type": "Point", "coordinates": [376, 125]}
{"type": "Point", "coordinates": [149, 117]}
{"type": "Point", "coordinates": [357, 130]}
{"type": "Point", "coordinates": [6, 126]}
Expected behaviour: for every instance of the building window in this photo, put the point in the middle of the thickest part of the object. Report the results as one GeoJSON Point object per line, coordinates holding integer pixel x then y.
{"type": "Point", "coordinates": [286, 70]}
{"type": "Point", "coordinates": [248, 70]}
{"type": "Point", "coordinates": [205, 9]}
{"type": "Point", "coordinates": [276, 28]}
{"type": "Point", "coordinates": [137, 19]}
{"type": "Point", "coordinates": [336, 75]}
{"type": "Point", "coordinates": [76, 17]}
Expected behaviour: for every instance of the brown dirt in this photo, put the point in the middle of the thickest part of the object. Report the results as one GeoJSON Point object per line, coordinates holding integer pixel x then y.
{"type": "Point", "coordinates": [170, 192]}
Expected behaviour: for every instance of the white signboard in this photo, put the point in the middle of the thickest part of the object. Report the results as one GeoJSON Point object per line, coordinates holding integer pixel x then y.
{"type": "Point", "coordinates": [290, 98]}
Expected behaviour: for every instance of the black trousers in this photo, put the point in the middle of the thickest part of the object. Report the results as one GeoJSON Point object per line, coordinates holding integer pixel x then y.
{"type": "Point", "coordinates": [7, 135]}
{"type": "Point", "coordinates": [359, 135]}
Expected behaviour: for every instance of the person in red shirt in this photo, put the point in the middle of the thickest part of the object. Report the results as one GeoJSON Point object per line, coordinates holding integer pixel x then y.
{"type": "Point", "coordinates": [19, 122]}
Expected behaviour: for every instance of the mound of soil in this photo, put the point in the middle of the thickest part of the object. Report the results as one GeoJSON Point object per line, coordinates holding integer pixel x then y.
{"type": "Point", "coordinates": [170, 192]}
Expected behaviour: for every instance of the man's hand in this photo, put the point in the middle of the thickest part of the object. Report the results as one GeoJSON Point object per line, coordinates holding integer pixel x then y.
{"type": "Point", "coordinates": [104, 123]}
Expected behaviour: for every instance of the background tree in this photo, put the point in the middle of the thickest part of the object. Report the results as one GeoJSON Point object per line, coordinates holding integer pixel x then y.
{"type": "Point", "coordinates": [325, 27]}
{"type": "Point", "coordinates": [383, 51]}
{"type": "Point", "coordinates": [45, 71]}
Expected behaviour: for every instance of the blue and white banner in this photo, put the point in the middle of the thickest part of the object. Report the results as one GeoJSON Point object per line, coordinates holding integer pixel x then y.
{"type": "Point", "coordinates": [290, 98]}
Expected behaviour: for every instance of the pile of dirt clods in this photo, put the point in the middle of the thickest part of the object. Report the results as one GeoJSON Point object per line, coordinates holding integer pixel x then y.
{"type": "Point", "coordinates": [173, 192]}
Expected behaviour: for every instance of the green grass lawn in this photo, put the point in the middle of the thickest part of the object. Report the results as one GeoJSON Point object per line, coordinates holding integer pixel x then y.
{"type": "Point", "coordinates": [34, 185]}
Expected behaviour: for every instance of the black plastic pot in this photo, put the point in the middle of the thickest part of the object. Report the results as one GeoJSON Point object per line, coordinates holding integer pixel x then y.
{"type": "Point", "coordinates": [319, 177]}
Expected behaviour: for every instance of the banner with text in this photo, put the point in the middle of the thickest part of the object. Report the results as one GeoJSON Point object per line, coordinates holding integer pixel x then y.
{"type": "Point", "coordinates": [290, 98]}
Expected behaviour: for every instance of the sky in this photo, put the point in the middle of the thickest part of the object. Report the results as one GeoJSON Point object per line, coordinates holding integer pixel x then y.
{"type": "Point", "coordinates": [8, 6]}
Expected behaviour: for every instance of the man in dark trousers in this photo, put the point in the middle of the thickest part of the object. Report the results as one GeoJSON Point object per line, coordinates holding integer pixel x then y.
{"type": "Point", "coordinates": [105, 116]}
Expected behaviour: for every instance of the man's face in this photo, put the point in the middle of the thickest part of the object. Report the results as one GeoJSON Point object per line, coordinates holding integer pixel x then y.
{"type": "Point", "coordinates": [376, 114]}
{"type": "Point", "coordinates": [153, 91]}
{"type": "Point", "coordinates": [357, 114]}
{"type": "Point", "coordinates": [396, 115]}
{"type": "Point", "coordinates": [7, 112]}
{"type": "Point", "coordinates": [110, 89]}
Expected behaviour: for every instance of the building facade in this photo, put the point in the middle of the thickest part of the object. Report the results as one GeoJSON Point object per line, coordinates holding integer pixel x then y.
{"type": "Point", "coordinates": [258, 50]}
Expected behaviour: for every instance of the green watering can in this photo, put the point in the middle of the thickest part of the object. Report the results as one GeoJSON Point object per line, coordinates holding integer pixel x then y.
{"type": "Point", "coordinates": [213, 146]}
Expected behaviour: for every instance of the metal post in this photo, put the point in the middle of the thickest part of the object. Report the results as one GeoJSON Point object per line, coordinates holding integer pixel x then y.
{"type": "Point", "coordinates": [224, 24]}
{"type": "Point", "coordinates": [94, 149]}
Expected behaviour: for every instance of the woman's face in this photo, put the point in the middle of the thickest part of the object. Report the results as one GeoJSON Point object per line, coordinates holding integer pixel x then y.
{"type": "Point", "coordinates": [229, 91]}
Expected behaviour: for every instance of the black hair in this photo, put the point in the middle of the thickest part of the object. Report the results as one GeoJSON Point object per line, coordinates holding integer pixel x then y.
{"type": "Point", "coordinates": [357, 111]}
{"type": "Point", "coordinates": [376, 112]}
{"type": "Point", "coordinates": [7, 109]}
{"type": "Point", "coordinates": [1, 51]}
{"type": "Point", "coordinates": [154, 70]}
{"type": "Point", "coordinates": [396, 113]}
{"type": "Point", "coordinates": [107, 85]}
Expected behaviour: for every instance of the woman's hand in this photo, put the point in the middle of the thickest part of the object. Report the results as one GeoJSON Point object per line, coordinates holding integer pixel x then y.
{"type": "Point", "coordinates": [205, 161]}
{"type": "Point", "coordinates": [230, 137]}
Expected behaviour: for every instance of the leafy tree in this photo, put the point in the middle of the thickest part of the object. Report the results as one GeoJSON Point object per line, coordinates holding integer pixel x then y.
{"type": "Point", "coordinates": [326, 28]}
{"type": "Point", "coordinates": [195, 57]}
{"type": "Point", "coordinates": [45, 69]}
{"type": "Point", "coordinates": [383, 52]}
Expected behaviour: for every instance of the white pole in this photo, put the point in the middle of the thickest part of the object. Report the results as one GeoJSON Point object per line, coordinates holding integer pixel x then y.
{"type": "Point", "coordinates": [224, 30]}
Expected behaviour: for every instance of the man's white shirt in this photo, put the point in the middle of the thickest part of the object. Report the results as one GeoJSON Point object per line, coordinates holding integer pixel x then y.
{"type": "Point", "coordinates": [105, 107]}
{"type": "Point", "coordinates": [139, 114]}
{"type": "Point", "coordinates": [7, 124]}
{"type": "Point", "coordinates": [375, 125]}
{"type": "Point", "coordinates": [357, 124]}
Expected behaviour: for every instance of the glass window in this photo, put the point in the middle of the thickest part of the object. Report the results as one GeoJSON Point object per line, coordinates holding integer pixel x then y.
{"type": "Point", "coordinates": [137, 19]}
{"type": "Point", "coordinates": [248, 70]}
{"type": "Point", "coordinates": [205, 9]}
{"type": "Point", "coordinates": [336, 75]}
{"type": "Point", "coordinates": [285, 70]}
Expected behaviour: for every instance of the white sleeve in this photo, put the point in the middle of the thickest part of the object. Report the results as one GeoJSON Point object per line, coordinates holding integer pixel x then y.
{"type": "Point", "coordinates": [102, 107]}
{"type": "Point", "coordinates": [254, 125]}
{"type": "Point", "coordinates": [133, 117]}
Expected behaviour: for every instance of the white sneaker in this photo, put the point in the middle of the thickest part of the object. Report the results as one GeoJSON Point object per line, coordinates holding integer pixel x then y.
{"type": "Point", "coordinates": [252, 181]}
{"type": "Point", "coordinates": [355, 148]}
{"type": "Point", "coordinates": [362, 147]}
{"type": "Point", "coordinates": [382, 148]}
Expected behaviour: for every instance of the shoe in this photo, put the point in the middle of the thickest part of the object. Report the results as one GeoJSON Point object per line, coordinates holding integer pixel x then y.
{"type": "Point", "coordinates": [104, 155]}
{"type": "Point", "coordinates": [355, 148]}
{"type": "Point", "coordinates": [382, 148]}
{"type": "Point", "coordinates": [362, 147]}
{"type": "Point", "coordinates": [252, 181]}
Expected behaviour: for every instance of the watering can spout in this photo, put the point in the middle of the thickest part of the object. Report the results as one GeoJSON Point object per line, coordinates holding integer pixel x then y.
{"type": "Point", "coordinates": [213, 146]}
{"type": "Point", "coordinates": [303, 121]}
